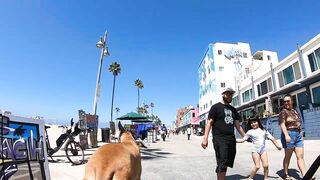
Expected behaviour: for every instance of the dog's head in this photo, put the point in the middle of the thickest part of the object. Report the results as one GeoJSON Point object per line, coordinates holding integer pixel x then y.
{"type": "Point", "coordinates": [125, 135]}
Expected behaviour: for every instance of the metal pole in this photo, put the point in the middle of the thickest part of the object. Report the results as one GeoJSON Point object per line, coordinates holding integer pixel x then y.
{"type": "Point", "coordinates": [97, 92]}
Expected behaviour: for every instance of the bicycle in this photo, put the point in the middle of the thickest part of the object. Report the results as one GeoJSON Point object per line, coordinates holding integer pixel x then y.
{"type": "Point", "coordinates": [72, 148]}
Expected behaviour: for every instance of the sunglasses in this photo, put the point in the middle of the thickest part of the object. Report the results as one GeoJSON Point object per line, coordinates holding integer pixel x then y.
{"type": "Point", "coordinates": [228, 94]}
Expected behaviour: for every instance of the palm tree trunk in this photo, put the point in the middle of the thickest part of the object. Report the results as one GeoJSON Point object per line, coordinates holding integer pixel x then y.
{"type": "Point", "coordinates": [114, 84]}
{"type": "Point", "coordinates": [138, 98]}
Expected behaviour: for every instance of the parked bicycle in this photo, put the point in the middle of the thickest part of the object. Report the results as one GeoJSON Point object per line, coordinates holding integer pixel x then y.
{"type": "Point", "coordinates": [73, 149]}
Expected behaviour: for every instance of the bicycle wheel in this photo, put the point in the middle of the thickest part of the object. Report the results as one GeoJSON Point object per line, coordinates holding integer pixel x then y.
{"type": "Point", "coordinates": [74, 153]}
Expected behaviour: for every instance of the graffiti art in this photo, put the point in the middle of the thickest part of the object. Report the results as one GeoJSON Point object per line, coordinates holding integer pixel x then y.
{"type": "Point", "coordinates": [22, 150]}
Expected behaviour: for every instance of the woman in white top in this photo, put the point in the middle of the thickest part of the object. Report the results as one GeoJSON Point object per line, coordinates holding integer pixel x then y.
{"type": "Point", "coordinates": [258, 135]}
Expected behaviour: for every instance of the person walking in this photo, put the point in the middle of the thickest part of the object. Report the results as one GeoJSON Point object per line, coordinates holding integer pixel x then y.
{"type": "Point", "coordinates": [258, 135]}
{"type": "Point", "coordinates": [163, 132]}
{"type": "Point", "coordinates": [222, 119]}
{"type": "Point", "coordinates": [188, 132]}
{"type": "Point", "coordinates": [291, 136]}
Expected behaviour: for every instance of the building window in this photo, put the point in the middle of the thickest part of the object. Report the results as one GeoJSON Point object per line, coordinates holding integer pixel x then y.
{"type": "Point", "coordinates": [223, 84]}
{"type": "Point", "coordinates": [264, 87]}
{"type": "Point", "coordinates": [221, 68]}
{"type": "Point", "coordinates": [235, 101]}
{"type": "Point", "coordinates": [246, 114]}
{"type": "Point", "coordinates": [316, 96]}
{"type": "Point", "coordinates": [193, 115]}
{"type": "Point", "coordinates": [219, 52]}
{"type": "Point", "coordinates": [247, 96]}
{"type": "Point", "coordinates": [260, 110]}
{"type": "Point", "coordinates": [208, 70]}
{"type": "Point", "coordinates": [210, 102]}
{"type": "Point", "coordinates": [269, 57]}
{"type": "Point", "coordinates": [289, 74]}
{"type": "Point", "coordinates": [314, 60]}
{"type": "Point", "coordinates": [245, 55]}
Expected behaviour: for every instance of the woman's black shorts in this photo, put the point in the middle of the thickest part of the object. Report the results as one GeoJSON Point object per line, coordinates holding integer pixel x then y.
{"type": "Point", "coordinates": [225, 149]}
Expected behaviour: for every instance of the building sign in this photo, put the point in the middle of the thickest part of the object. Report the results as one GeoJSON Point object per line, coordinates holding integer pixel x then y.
{"type": "Point", "coordinates": [23, 149]}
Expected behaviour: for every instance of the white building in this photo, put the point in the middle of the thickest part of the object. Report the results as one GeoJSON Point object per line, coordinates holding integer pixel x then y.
{"type": "Point", "coordinates": [261, 81]}
{"type": "Point", "coordinates": [218, 69]}
{"type": "Point", "coordinates": [297, 74]}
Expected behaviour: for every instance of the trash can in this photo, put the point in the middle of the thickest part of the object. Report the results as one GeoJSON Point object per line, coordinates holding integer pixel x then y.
{"type": "Point", "coordinates": [105, 132]}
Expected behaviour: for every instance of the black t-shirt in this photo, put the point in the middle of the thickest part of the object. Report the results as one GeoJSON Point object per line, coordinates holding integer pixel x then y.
{"type": "Point", "coordinates": [223, 117]}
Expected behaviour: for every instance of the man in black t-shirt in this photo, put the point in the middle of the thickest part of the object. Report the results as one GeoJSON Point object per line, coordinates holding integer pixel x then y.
{"type": "Point", "coordinates": [222, 119]}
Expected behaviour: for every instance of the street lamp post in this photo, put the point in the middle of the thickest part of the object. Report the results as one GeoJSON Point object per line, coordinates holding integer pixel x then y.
{"type": "Point", "coordinates": [102, 43]}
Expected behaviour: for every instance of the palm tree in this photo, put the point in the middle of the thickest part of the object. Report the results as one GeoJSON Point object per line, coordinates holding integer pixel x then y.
{"type": "Point", "coordinates": [115, 69]}
{"type": "Point", "coordinates": [143, 109]}
{"type": "Point", "coordinates": [158, 121]}
{"type": "Point", "coordinates": [117, 110]}
{"type": "Point", "coordinates": [152, 106]}
{"type": "Point", "coordinates": [139, 85]}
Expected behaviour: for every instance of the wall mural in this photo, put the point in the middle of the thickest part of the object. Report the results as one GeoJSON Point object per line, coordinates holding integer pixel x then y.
{"type": "Point", "coordinates": [206, 70]}
{"type": "Point", "coordinates": [234, 55]}
{"type": "Point", "coordinates": [23, 153]}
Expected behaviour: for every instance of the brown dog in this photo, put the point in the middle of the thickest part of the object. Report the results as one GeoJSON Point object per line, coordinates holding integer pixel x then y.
{"type": "Point", "coordinates": [121, 161]}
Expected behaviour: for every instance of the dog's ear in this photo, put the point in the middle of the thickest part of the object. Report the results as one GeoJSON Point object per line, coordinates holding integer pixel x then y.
{"type": "Point", "coordinates": [121, 128]}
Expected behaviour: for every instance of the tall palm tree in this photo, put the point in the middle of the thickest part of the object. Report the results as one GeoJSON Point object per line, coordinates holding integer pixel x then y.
{"type": "Point", "coordinates": [152, 106]}
{"type": "Point", "coordinates": [138, 83]}
{"type": "Point", "coordinates": [115, 69]}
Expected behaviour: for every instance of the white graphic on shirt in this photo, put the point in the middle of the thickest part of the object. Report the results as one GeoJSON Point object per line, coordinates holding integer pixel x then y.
{"type": "Point", "coordinates": [228, 119]}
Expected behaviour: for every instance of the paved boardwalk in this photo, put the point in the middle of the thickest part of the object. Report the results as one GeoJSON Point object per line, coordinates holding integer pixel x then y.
{"type": "Point", "coordinates": [178, 158]}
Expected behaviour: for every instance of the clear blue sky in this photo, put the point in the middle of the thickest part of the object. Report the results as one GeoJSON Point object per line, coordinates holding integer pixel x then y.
{"type": "Point", "coordinates": [49, 61]}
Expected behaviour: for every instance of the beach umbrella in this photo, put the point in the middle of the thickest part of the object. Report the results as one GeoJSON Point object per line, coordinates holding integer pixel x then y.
{"type": "Point", "coordinates": [132, 116]}
{"type": "Point", "coordinates": [141, 120]}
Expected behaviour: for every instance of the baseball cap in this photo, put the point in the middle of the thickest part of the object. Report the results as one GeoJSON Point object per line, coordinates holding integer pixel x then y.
{"type": "Point", "coordinates": [229, 89]}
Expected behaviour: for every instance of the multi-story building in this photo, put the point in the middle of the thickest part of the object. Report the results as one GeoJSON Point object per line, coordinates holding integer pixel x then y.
{"type": "Point", "coordinates": [262, 81]}
{"type": "Point", "coordinates": [218, 69]}
{"type": "Point", "coordinates": [297, 74]}
{"type": "Point", "coordinates": [180, 114]}
{"type": "Point", "coordinates": [191, 117]}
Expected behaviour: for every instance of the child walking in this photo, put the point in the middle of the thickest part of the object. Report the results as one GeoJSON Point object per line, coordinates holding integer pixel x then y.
{"type": "Point", "coordinates": [258, 135]}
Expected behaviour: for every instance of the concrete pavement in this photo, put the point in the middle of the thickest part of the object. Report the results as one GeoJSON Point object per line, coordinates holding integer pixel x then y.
{"type": "Point", "coordinates": [177, 158]}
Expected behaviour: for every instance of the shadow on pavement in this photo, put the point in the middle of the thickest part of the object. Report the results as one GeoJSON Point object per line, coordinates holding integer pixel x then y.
{"type": "Point", "coordinates": [236, 177]}
{"type": "Point", "coordinates": [256, 177]}
{"type": "Point", "coordinates": [292, 172]}
{"type": "Point", "coordinates": [149, 154]}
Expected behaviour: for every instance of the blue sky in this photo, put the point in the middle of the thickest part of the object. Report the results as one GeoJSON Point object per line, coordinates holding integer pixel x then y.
{"type": "Point", "coordinates": [49, 61]}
